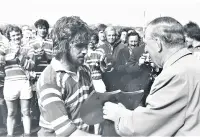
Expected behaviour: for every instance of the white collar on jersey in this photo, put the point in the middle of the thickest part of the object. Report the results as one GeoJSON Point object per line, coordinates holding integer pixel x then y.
{"type": "Point", "coordinates": [57, 66]}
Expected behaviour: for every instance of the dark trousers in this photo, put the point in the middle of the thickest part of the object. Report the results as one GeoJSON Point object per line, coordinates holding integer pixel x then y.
{"type": "Point", "coordinates": [35, 108]}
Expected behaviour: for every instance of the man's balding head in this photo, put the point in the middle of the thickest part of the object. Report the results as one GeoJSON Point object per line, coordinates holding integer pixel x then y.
{"type": "Point", "coordinates": [163, 37]}
{"type": "Point", "coordinates": [167, 29]}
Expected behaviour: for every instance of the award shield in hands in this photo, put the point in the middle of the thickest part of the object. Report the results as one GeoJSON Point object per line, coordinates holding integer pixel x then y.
{"type": "Point", "coordinates": [91, 111]}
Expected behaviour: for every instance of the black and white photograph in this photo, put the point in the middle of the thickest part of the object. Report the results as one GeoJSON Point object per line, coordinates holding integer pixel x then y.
{"type": "Point", "coordinates": [99, 68]}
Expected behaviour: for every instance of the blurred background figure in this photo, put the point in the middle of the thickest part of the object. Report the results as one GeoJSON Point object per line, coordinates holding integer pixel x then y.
{"type": "Point", "coordinates": [133, 41]}
{"type": "Point", "coordinates": [24, 28]}
{"type": "Point", "coordinates": [189, 29]}
{"type": "Point", "coordinates": [123, 36]}
{"type": "Point", "coordinates": [131, 31]}
{"type": "Point", "coordinates": [42, 54]}
{"type": "Point", "coordinates": [101, 35]}
{"type": "Point", "coordinates": [192, 35]}
{"type": "Point", "coordinates": [95, 60]}
{"type": "Point", "coordinates": [49, 33]}
{"type": "Point", "coordinates": [3, 39]}
{"type": "Point", "coordinates": [34, 33]}
{"type": "Point", "coordinates": [27, 36]}
{"type": "Point", "coordinates": [3, 44]}
{"type": "Point", "coordinates": [17, 87]}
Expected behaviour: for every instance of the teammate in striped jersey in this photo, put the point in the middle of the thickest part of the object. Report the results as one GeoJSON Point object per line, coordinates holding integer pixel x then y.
{"type": "Point", "coordinates": [17, 84]}
{"type": "Point", "coordinates": [66, 83]}
{"type": "Point", "coordinates": [3, 44]}
{"type": "Point", "coordinates": [41, 47]}
{"type": "Point", "coordinates": [95, 61]}
{"type": "Point", "coordinates": [41, 53]}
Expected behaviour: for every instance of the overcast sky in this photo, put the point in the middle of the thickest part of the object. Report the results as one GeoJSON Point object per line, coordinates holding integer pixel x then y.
{"type": "Point", "coordinates": [116, 12]}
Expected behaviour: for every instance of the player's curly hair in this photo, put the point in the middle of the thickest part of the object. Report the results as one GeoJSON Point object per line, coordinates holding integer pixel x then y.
{"type": "Point", "coordinates": [69, 30]}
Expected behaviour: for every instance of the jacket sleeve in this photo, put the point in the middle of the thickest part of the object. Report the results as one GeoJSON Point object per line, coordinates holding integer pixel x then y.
{"type": "Point", "coordinates": [166, 106]}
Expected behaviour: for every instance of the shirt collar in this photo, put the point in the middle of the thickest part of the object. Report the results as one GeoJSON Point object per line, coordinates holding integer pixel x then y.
{"type": "Point", "coordinates": [175, 57]}
{"type": "Point", "coordinates": [58, 67]}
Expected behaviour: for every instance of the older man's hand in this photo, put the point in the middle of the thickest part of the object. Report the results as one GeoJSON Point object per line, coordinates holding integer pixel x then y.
{"type": "Point", "coordinates": [114, 111]}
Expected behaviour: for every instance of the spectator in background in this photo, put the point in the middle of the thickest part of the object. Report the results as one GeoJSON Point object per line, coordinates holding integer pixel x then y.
{"type": "Point", "coordinates": [95, 61]}
{"type": "Point", "coordinates": [131, 31]}
{"type": "Point", "coordinates": [111, 50]}
{"type": "Point", "coordinates": [49, 33]}
{"type": "Point", "coordinates": [105, 54]}
{"type": "Point", "coordinates": [3, 39]}
{"type": "Point", "coordinates": [123, 36]}
{"type": "Point", "coordinates": [27, 36]}
{"type": "Point", "coordinates": [41, 53]}
{"type": "Point", "coordinates": [190, 28]}
{"type": "Point", "coordinates": [101, 35]}
{"type": "Point", "coordinates": [195, 39]}
{"type": "Point", "coordinates": [3, 44]}
{"type": "Point", "coordinates": [17, 84]}
{"type": "Point", "coordinates": [133, 75]}
{"type": "Point", "coordinates": [192, 34]}
{"type": "Point", "coordinates": [133, 41]}
{"type": "Point", "coordinates": [34, 33]}
{"type": "Point", "coordinates": [24, 28]}
{"type": "Point", "coordinates": [41, 46]}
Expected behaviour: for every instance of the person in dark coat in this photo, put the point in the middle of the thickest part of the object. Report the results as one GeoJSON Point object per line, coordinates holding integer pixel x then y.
{"type": "Point", "coordinates": [133, 76]}
{"type": "Point", "coordinates": [112, 50]}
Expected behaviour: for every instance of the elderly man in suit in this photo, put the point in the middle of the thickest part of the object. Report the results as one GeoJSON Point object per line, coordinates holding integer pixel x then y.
{"type": "Point", "coordinates": [172, 107]}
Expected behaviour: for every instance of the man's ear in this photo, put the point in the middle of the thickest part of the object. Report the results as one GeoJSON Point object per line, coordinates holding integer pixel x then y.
{"type": "Point", "coordinates": [159, 44]}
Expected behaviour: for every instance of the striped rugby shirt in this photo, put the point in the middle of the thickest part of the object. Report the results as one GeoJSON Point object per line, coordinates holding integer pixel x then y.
{"type": "Point", "coordinates": [60, 96]}
{"type": "Point", "coordinates": [41, 53]}
{"type": "Point", "coordinates": [3, 45]}
{"type": "Point", "coordinates": [2, 76]}
{"type": "Point", "coordinates": [17, 62]}
{"type": "Point", "coordinates": [94, 60]}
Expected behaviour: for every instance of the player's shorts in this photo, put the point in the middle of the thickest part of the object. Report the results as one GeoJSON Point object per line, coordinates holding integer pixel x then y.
{"type": "Point", "coordinates": [17, 89]}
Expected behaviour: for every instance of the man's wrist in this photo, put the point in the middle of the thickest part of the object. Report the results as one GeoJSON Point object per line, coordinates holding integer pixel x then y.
{"type": "Point", "coordinates": [117, 125]}
{"type": "Point", "coordinates": [117, 128]}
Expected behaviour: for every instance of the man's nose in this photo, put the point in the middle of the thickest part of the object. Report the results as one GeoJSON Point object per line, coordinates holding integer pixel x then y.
{"type": "Point", "coordinates": [84, 51]}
